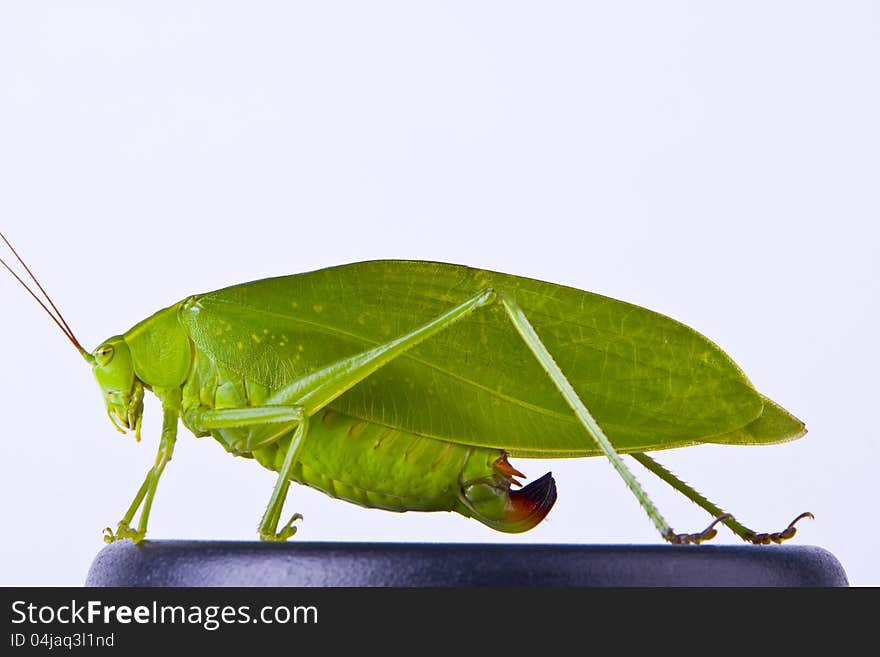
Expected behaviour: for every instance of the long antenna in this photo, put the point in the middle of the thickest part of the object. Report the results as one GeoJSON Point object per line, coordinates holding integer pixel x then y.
{"type": "Point", "coordinates": [59, 320]}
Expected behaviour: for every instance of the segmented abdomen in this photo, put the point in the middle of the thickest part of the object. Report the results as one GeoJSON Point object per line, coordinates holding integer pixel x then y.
{"type": "Point", "coordinates": [381, 467]}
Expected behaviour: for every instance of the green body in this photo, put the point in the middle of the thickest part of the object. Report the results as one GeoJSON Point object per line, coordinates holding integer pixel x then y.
{"type": "Point", "coordinates": [440, 416]}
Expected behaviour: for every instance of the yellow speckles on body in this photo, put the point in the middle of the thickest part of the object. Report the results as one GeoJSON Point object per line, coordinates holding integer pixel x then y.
{"type": "Point", "coordinates": [317, 308]}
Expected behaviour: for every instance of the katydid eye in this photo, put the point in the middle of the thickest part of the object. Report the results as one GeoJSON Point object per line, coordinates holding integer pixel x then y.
{"type": "Point", "coordinates": [104, 354]}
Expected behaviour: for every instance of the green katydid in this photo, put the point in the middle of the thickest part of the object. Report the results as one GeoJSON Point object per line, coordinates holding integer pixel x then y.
{"type": "Point", "coordinates": [405, 385]}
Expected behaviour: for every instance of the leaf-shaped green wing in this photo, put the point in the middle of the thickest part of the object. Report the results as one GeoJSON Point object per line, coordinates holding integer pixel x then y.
{"type": "Point", "coordinates": [650, 381]}
{"type": "Point", "coordinates": [774, 425]}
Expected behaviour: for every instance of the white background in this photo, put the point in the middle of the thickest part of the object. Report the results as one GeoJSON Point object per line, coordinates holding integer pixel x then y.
{"type": "Point", "coordinates": [717, 162]}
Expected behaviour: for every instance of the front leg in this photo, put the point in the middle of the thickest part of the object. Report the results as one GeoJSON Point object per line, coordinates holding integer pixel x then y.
{"type": "Point", "coordinates": [170, 413]}
{"type": "Point", "coordinates": [123, 527]}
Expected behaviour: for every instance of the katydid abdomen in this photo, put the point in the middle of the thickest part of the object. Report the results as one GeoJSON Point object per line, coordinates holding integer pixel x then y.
{"type": "Point", "coordinates": [381, 467]}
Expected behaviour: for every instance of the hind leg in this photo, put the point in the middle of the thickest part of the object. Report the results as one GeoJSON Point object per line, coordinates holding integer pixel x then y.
{"type": "Point", "coordinates": [534, 343]}
{"type": "Point", "coordinates": [746, 534]}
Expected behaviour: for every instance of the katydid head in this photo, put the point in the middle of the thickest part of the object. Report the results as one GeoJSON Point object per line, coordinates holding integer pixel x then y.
{"type": "Point", "coordinates": [122, 391]}
{"type": "Point", "coordinates": [111, 361]}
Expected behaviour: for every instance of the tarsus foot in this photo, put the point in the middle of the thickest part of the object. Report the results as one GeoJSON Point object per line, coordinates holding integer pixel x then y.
{"type": "Point", "coordinates": [286, 532]}
{"type": "Point", "coordinates": [122, 532]}
{"type": "Point", "coordinates": [777, 537]}
{"type": "Point", "coordinates": [705, 535]}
